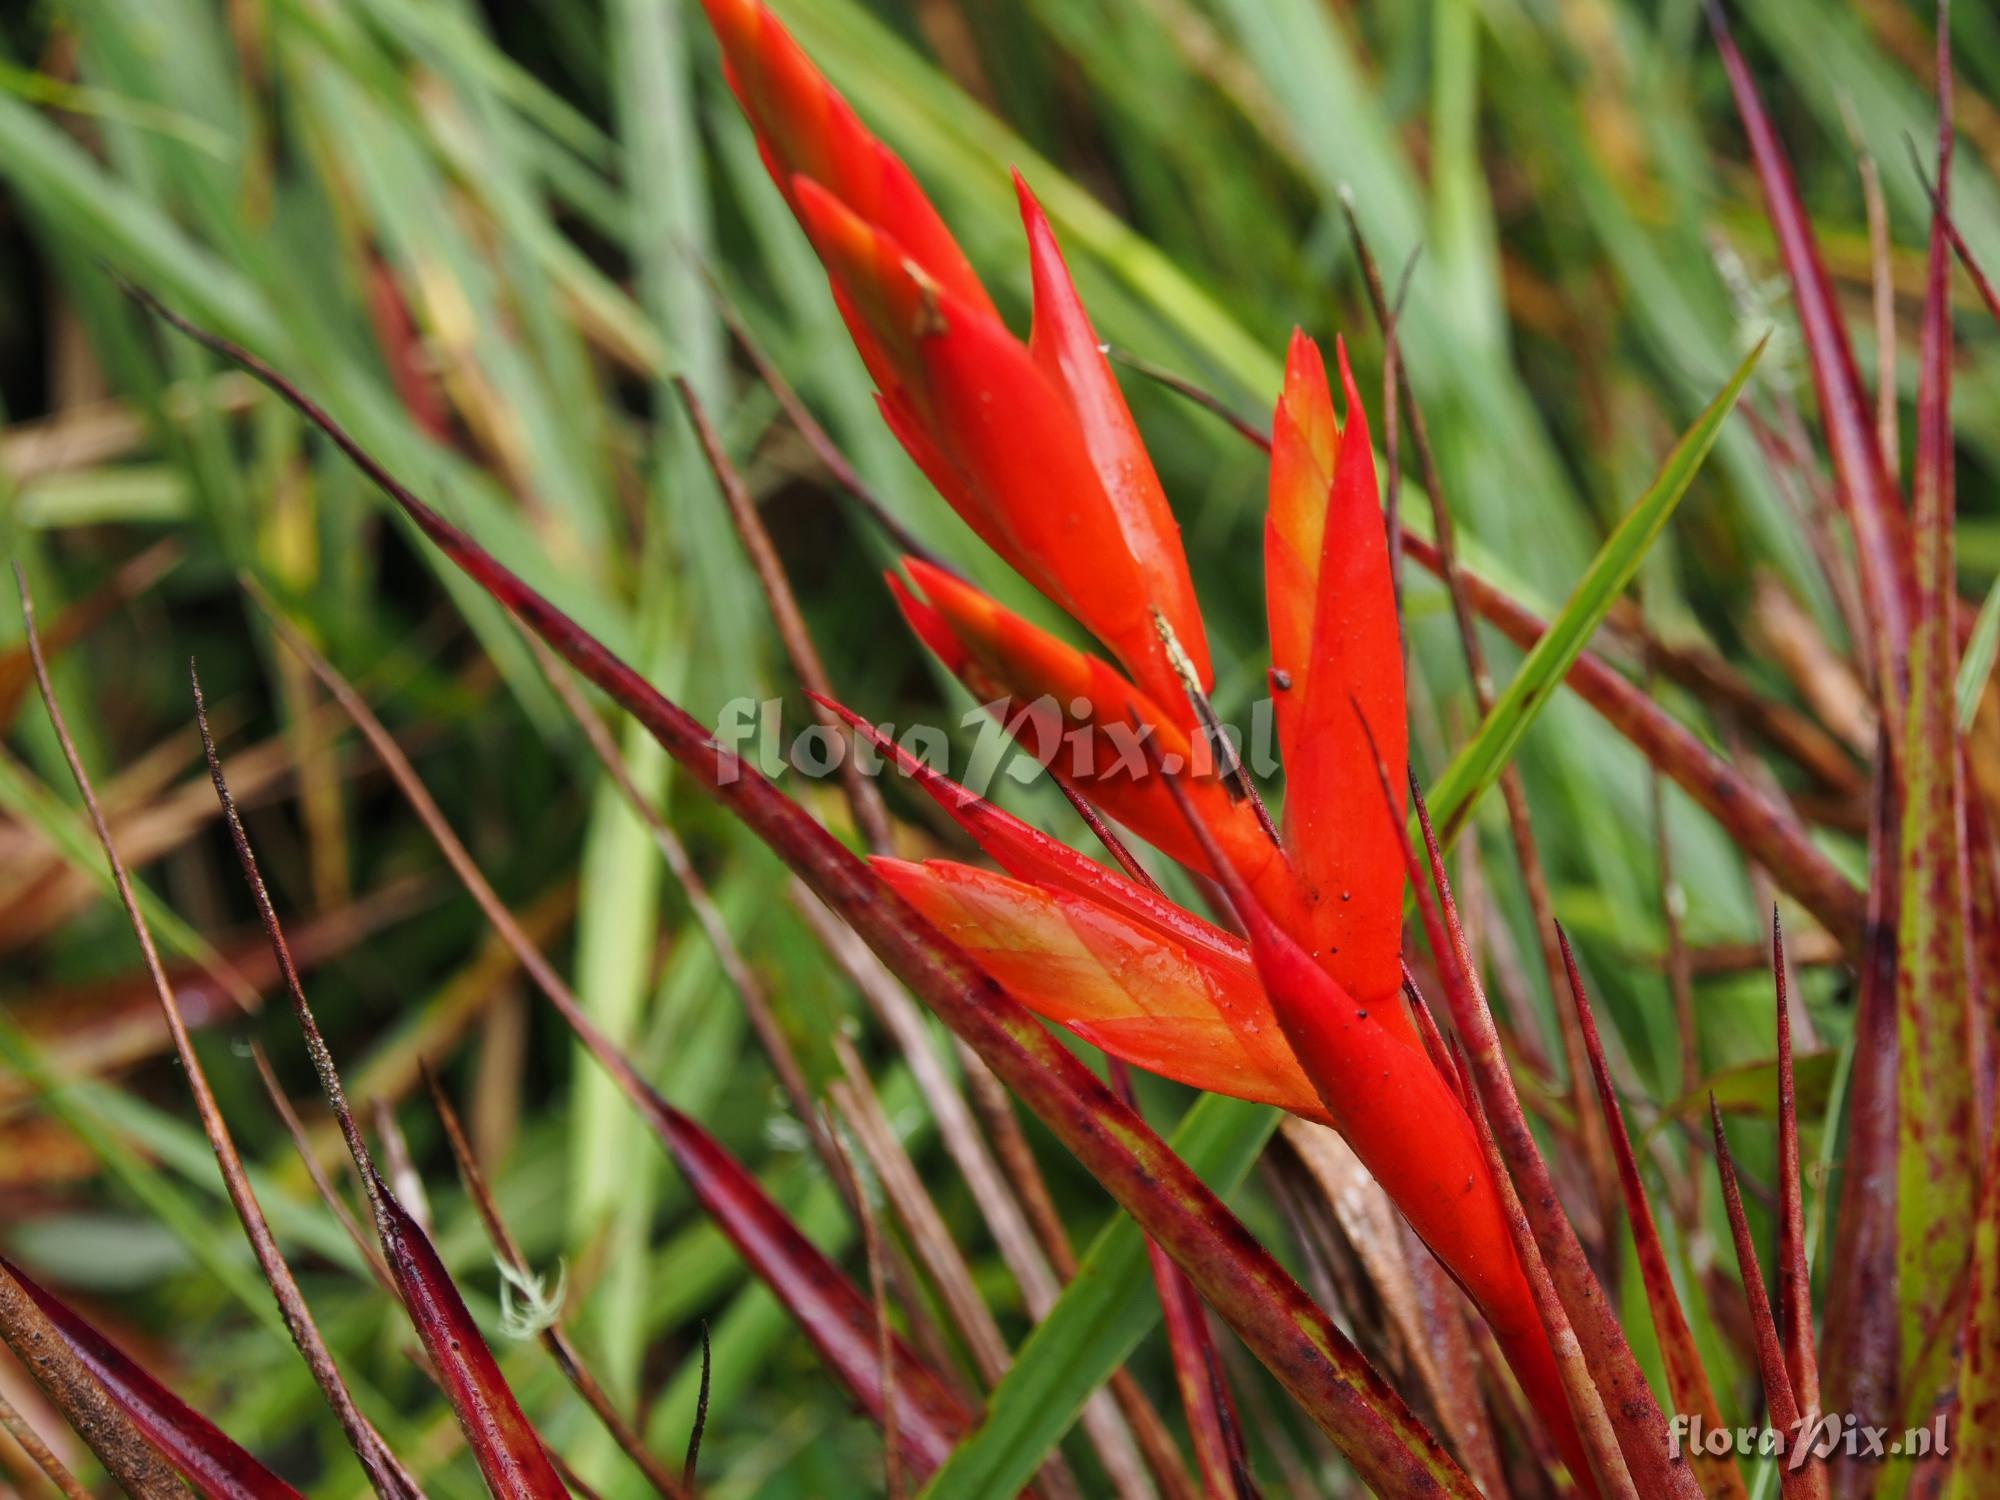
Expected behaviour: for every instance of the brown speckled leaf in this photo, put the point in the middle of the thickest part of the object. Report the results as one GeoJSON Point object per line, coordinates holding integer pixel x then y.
{"type": "Point", "coordinates": [1937, 1154]}
{"type": "Point", "coordinates": [206, 1456]}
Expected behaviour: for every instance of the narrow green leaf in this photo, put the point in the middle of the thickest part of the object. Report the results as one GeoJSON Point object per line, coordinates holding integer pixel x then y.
{"type": "Point", "coordinates": [1751, 1088]}
{"type": "Point", "coordinates": [36, 804]}
{"type": "Point", "coordinates": [1099, 1320]}
{"type": "Point", "coordinates": [1977, 664]}
{"type": "Point", "coordinates": [1477, 766]}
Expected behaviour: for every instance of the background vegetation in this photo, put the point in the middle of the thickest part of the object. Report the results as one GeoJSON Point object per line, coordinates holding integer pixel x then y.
{"type": "Point", "coordinates": [487, 237]}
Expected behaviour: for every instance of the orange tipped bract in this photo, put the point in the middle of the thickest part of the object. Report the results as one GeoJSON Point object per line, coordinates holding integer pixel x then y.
{"type": "Point", "coordinates": [1189, 1010]}
{"type": "Point", "coordinates": [1089, 726]}
{"type": "Point", "coordinates": [1031, 442]}
{"type": "Point", "coordinates": [1337, 677]}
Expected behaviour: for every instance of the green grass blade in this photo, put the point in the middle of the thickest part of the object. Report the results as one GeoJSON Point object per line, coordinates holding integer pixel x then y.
{"type": "Point", "coordinates": [1099, 1320]}
{"type": "Point", "coordinates": [1977, 664]}
{"type": "Point", "coordinates": [1477, 766]}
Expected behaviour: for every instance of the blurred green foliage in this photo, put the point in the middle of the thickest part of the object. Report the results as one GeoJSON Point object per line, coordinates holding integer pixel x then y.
{"type": "Point", "coordinates": [554, 195]}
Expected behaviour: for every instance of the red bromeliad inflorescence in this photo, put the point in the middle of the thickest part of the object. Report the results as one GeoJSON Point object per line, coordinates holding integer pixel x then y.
{"type": "Point", "coordinates": [1033, 444]}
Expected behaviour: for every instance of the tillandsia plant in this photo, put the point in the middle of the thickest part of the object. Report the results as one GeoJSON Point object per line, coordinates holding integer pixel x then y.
{"type": "Point", "coordinates": [1458, 1279]}
{"type": "Point", "coordinates": [1033, 444]}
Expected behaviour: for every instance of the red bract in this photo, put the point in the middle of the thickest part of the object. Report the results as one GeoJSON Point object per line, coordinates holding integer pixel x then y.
{"type": "Point", "coordinates": [1033, 444]}
{"type": "Point", "coordinates": [1078, 717]}
{"type": "Point", "coordinates": [1327, 567]}
{"type": "Point", "coordinates": [1292, 1335]}
{"type": "Point", "coordinates": [1184, 1004]}
{"type": "Point", "coordinates": [1030, 442]}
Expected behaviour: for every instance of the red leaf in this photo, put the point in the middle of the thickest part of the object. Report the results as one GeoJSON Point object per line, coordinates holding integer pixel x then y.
{"type": "Point", "coordinates": [1628, 1400]}
{"type": "Point", "coordinates": [508, 1450]}
{"type": "Point", "coordinates": [1807, 1482]}
{"type": "Point", "coordinates": [206, 1456]}
{"type": "Point", "coordinates": [1874, 509]}
{"type": "Point", "coordinates": [1862, 1348]}
{"type": "Point", "coordinates": [834, 1314]}
{"type": "Point", "coordinates": [1687, 1378]}
{"type": "Point", "coordinates": [1344, 842]}
{"type": "Point", "coordinates": [1090, 727]}
{"type": "Point", "coordinates": [1794, 1269]}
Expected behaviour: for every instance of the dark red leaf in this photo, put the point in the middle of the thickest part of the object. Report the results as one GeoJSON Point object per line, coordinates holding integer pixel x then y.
{"type": "Point", "coordinates": [835, 1314]}
{"type": "Point", "coordinates": [1634, 1412]}
{"type": "Point", "coordinates": [1874, 508]}
{"type": "Point", "coordinates": [1808, 1481]}
{"type": "Point", "coordinates": [1687, 1379]}
{"type": "Point", "coordinates": [1794, 1271]}
{"type": "Point", "coordinates": [505, 1446]}
{"type": "Point", "coordinates": [203, 1452]}
{"type": "Point", "coordinates": [509, 1453]}
{"type": "Point", "coordinates": [1861, 1351]}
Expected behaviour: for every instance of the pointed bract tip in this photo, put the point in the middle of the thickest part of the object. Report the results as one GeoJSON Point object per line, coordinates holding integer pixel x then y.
{"type": "Point", "coordinates": [1042, 246]}
{"type": "Point", "coordinates": [836, 231]}
{"type": "Point", "coordinates": [1303, 360]}
{"type": "Point", "coordinates": [1030, 204]}
{"type": "Point", "coordinates": [926, 622]}
{"type": "Point", "coordinates": [733, 21]}
{"type": "Point", "coordinates": [895, 870]}
{"type": "Point", "coordinates": [1351, 391]}
{"type": "Point", "coordinates": [928, 577]}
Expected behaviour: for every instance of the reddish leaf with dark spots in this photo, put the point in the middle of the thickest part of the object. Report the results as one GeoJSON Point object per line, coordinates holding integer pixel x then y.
{"type": "Point", "coordinates": [206, 1456]}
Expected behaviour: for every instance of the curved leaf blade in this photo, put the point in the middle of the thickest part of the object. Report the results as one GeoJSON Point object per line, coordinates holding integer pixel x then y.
{"type": "Point", "coordinates": [1477, 766]}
